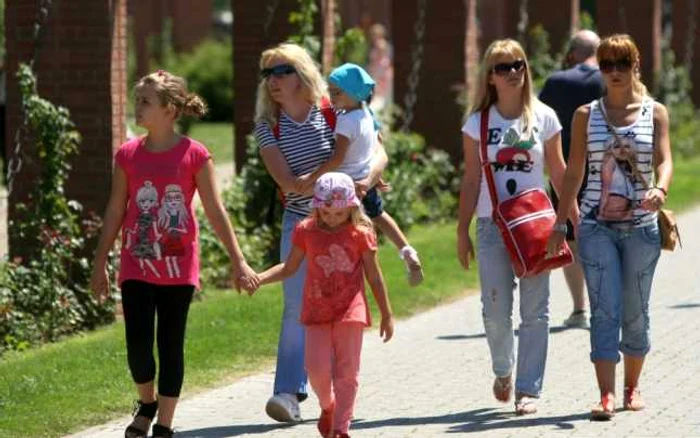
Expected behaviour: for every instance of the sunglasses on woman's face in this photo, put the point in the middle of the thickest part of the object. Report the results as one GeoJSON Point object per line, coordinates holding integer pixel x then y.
{"type": "Point", "coordinates": [278, 71]}
{"type": "Point", "coordinates": [504, 68]}
{"type": "Point", "coordinates": [608, 65]}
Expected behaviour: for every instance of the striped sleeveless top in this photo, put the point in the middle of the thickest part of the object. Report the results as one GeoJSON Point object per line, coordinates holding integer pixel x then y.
{"type": "Point", "coordinates": [619, 172]}
{"type": "Point", "coordinates": [305, 146]}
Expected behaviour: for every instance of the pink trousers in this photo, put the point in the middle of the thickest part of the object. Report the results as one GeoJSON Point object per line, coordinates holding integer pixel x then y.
{"type": "Point", "coordinates": [332, 360]}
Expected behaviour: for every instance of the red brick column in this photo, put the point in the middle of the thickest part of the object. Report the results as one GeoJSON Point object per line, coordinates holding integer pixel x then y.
{"type": "Point", "coordinates": [437, 115]}
{"type": "Point", "coordinates": [642, 20]}
{"type": "Point", "coordinates": [249, 40]}
{"type": "Point", "coordinates": [498, 19]}
{"type": "Point", "coordinates": [682, 17]}
{"type": "Point", "coordinates": [559, 18]}
{"type": "Point", "coordinates": [191, 22]}
{"type": "Point", "coordinates": [81, 65]}
{"type": "Point", "coordinates": [148, 16]}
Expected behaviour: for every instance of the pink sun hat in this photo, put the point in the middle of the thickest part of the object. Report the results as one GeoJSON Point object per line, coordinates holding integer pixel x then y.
{"type": "Point", "coordinates": [335, 189]}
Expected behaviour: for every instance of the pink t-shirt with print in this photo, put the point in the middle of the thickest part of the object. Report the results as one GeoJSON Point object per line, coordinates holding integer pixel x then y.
{"type": "Point", "coordinates": [160, 231]}
{"type": "Point", "coordinates": [334, 290]}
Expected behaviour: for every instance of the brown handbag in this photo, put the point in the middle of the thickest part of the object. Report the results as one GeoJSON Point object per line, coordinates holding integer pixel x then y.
{"type": "Point", "coordinates": [668, 227]}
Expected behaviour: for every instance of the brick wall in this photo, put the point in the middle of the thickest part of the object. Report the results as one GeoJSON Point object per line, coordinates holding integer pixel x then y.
{"type": "Point", "coordinates": [249, 41]}
{"type": "Point", "coordinates": [642, 20]}
{"type": "Point", "coordinates": [682, 15]}
{"type": "Point", "coordinates": [81, 65]}
{"type": "Point", "coordinates": [437, 115]}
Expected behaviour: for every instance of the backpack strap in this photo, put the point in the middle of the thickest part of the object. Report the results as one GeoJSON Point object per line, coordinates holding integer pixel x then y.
{"type": "Point", "coordinates": [326, 110]}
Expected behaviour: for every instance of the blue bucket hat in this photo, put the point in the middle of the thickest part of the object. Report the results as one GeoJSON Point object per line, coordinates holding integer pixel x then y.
{"type": "Point", "coordinates": [353, 80]}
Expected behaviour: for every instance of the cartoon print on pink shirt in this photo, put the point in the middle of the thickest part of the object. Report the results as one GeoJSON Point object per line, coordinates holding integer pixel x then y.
{"type": "Point", "coordinates": [142, 241]}
{"type": "Point", "coordinates": [173, 219]}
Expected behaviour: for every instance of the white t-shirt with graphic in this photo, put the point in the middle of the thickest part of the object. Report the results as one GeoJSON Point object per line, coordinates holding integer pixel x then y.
{"type": "Point", "coordinates": [358, 126]}
{"type": "Point", "coordinates": [517, 162]}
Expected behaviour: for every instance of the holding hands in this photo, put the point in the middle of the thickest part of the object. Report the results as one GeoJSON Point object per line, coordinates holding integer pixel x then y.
{"type": "Point", "coordinates": [245, 277]}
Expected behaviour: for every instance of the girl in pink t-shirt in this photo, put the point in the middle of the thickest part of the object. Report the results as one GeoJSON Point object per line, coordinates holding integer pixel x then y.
{"type": "Point", "coordinates": [341, 249]}
{"type": "Point", "coordinates": [154, 180]}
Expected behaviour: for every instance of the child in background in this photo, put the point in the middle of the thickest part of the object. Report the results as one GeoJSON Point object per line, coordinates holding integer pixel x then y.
{"type": "Point", "coordinates": [351, 89]}
{"type": "Point", "coordinates": [339, 243]}
{"type": "Point", "coordinates": [154, 180]}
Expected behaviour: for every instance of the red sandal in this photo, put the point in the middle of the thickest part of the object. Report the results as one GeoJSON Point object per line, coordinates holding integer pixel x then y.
{"type": "Point", "coordinates": [604, 410]}
{"type": "Point", "coordinates": [633, 399]}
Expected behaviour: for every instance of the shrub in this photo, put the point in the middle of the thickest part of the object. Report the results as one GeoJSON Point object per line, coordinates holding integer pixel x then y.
{"type": "Point", "coordinates": [44, 293]}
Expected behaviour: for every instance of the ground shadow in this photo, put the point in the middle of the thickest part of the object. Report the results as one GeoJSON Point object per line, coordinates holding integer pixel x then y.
{"type": "Point", "coordinates": [233, 430]}
{"type": "Point", "coordinates": [478, 420]}
{"type": "Point", "coordinates": [552, 331]}
{"type": "Point", "coordinates": [685, 306]}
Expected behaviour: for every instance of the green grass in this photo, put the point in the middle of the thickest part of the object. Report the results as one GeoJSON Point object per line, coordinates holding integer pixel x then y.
{"type": "Point", "coordinates": [685, 190]}
{"type": "Point", "coordinates": [216, 136]}
{"type": "Point", "coordinates": [61, 388]}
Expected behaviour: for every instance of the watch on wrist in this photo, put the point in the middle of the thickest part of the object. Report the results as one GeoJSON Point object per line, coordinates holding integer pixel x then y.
{"type": "Point", "coordinates": [560, 228]}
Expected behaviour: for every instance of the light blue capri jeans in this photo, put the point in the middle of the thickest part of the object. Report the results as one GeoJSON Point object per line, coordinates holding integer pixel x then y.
{"type": "Point", "coordinates": [290, 376]}
{"type": "Point", "coordinates": [497, 287]}
{"type": "Point", "coordinates": [619, 267]}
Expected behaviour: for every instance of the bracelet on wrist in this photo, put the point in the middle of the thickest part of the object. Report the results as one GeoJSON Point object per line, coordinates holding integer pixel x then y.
{"type": "Point", "coordinates": [663, 190]}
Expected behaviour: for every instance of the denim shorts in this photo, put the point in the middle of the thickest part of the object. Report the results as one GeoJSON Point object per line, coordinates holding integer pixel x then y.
{"type": "Point", "coordinates": [372, 203]}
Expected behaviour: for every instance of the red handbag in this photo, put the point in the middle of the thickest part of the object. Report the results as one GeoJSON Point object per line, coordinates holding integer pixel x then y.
{"type": "Point", "coordinates": [525, 222]}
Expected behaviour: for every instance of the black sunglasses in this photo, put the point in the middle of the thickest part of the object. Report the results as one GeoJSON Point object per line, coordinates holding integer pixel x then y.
{"type": "Point", "coordinates": [504, 68]}
{"type": "Point", "coordinates": [622, 65]}
{"type": "Point", "coordinates": [278, 71]}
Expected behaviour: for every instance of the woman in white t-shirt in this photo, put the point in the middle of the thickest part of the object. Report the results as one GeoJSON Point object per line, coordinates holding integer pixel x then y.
{"type": "Point", "coordinates": [523, 138]}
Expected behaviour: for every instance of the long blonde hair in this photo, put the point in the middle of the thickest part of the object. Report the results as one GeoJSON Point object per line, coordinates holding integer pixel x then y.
{"type": "Point", "coordinates": [622, 46]}
{"type": "Point", "coordinates": [485, 93]}
{"type": "Point", "coordinates": [315, 87]}
{"type": "Point", "coordinates": [358, 217]}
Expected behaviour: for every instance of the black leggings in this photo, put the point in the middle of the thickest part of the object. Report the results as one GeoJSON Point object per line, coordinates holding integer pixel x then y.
{"type": "Point", "coordinates": [141, 301]}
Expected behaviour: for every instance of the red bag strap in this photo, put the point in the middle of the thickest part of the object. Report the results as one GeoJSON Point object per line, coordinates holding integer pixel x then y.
{"type": "Point", "coordinates": [327, 112]}
{"type": "Point", "coordinates": [485, 165]}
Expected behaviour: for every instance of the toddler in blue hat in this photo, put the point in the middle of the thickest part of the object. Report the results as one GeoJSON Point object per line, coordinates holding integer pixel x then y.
{"type": "Point", "coordinates": [356, 130]}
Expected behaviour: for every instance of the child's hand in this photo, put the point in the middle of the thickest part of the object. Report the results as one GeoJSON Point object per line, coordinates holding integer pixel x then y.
{"type": "Point", "coordinates": [99, 283]}
{"type": "Point", "coordinates": [251, 284]}
{"type": "Point", "coordinates": [386, 328]}
{"type": "Point", "coordinates": [244, 275]}
{"type": "Point", "coordinates": [362, 187]}
{"type": "Point", "coordinates": [383, 186]}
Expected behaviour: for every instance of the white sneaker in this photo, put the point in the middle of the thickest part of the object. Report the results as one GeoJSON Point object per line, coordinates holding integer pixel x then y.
{"type": "Point", "coordinates": [577, 319]}
{"type": "Point", "coordinates": [414, 270]}
{"type": "Point", "coordinates": [283, 408]}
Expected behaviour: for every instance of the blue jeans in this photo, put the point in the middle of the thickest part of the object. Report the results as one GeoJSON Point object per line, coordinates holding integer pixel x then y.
{"type": "Point", "coordinates": [497, 286]}
{"type": "Point", "coordinates": [290, 376]}
{"type": "Point", "coordinates": [619, 267]}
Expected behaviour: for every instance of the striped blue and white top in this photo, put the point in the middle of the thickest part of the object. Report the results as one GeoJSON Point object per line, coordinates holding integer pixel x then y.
{"type": "Point", "coordinates": [619, 172]}
{"type": "Point", "coordinates": [305, 147]}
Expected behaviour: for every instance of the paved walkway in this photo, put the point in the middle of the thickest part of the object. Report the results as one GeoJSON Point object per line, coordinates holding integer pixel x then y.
{"type": "Point", "coordinates": [433, 379]}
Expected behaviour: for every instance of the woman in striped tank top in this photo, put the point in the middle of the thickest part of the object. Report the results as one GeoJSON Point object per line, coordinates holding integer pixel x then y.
{"type": "Point", "coordinates": [294, 133]}
{"type": "Point", "coordinates": [625, 138]}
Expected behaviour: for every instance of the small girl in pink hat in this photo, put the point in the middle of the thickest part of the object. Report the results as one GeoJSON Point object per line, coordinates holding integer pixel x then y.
{"type": "Point", "coordinates": [339, 243]}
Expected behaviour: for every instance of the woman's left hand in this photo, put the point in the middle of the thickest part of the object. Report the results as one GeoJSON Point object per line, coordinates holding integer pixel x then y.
{"type": "Point", "coordinates": [654, 199]}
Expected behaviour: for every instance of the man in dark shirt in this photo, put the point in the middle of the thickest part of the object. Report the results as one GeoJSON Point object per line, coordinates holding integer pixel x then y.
{"type": "Point", "coordinates": [565, 91]}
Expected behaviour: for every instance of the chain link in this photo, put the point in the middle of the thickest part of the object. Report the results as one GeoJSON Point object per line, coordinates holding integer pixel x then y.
{"type": "Point", "coordinates": [14, 164]}
{"type": "Point", "coordinates": [690, 38]}
{"type": "Point", "coordinates": [523, 21]}
{"type": "Point", "coordinates": [622, 16]}
{"type": "Point", "coordinates": [411, 96]}
{"type": "Point", "coordinates": [271, 9]}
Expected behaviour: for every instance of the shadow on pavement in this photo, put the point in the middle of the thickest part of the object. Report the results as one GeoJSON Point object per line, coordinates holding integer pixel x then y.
{"type": "Point", "coordinates": [479, 420]}
{"type": "Point", "coordinates": [230, 431]}
{"type": "Point", "coordinates": [685, 306]}
{"type": "Point", "coordinates": [552, 331]}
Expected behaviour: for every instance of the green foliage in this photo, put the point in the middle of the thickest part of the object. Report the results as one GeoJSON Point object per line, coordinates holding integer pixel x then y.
{"type": "Point", "coordinates": [208, 71]}
{"type": "Point", "coordinates": [351, 47]}
{"type": "Point", "coordinates": [423, 181]}
{"type": "Point", "coordinates": [253, 207]}
{"type": "Point", "coordinates": [44, 294]}
{"type": "Point", "coordinates": [542, 63]}
{"type": "Point", "coordinates": [586, 21]}
{"type": "Point", "coordinates": [304, 20]}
